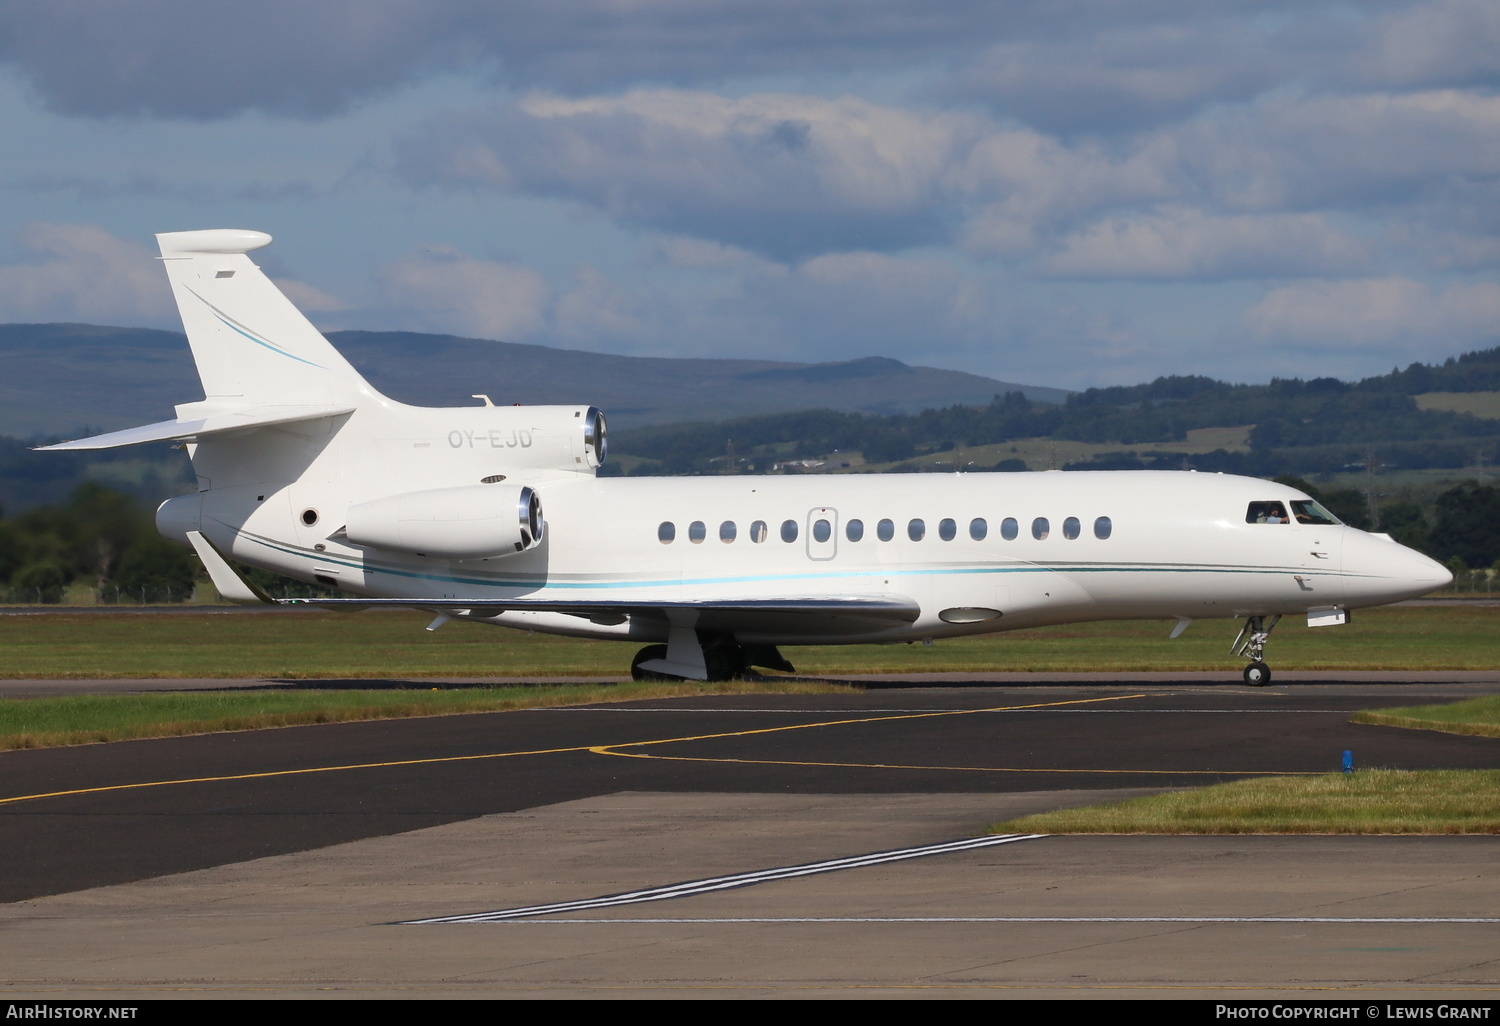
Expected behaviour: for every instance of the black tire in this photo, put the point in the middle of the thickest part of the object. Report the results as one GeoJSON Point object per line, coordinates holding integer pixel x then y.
{"type": "Point", "coordinates": [644, 655]}
{"type": "Point", "coordinates": [1257, 675]}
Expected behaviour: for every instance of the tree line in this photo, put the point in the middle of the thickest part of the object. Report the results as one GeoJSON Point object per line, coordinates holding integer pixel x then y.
{"type": "Point", "coordinates": [1303, 427]}
{"type": "Point", "coordinates": [98, 537]}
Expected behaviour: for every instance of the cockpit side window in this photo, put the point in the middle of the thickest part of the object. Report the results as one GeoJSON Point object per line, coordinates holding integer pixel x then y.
{"type": "Point", "coordinates": [1266, 513]}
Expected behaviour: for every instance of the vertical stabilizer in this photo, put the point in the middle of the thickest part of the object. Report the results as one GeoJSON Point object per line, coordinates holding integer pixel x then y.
{"type": "Point", "coordinates": [251, 345]}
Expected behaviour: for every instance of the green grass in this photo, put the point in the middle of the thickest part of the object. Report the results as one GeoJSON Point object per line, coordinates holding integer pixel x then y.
{"type": "Point", "coordinates": [87, 719]}
{"type": "Point", "coordinates": [1367, 802]}
{"type": "Point", "coordinates": [1480, 404]}
{"type": "Point", "coordinates": [310, 643]}
{"type": "Point", "coordinates": [1479, 716]}
{"type": "Point", "coordinates": [1410, 638]}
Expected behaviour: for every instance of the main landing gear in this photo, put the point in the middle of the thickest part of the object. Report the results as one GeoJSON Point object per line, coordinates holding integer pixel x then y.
{"type": "Point", "coordinates": [701, 655]}
{"type": "Point", "coordinates": [1251, 644]}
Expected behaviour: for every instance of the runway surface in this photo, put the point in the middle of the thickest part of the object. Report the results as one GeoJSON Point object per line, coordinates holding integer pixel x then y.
{"type": "Point", "coordinates": [359, 827]}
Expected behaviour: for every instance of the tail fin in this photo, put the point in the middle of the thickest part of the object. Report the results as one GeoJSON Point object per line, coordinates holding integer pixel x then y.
{"type": "Point", "coordinates": [251, 345]}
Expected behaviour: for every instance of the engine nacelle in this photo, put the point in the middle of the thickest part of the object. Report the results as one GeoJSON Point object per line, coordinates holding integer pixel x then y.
{"type": "Point", "coordinates": [519, 438]}
{"type": "Point", "coordinates": [469, 522]}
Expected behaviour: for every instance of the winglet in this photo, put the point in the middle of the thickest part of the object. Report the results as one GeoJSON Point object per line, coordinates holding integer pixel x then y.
{"type": "Point", "coordinates": [226, 578]}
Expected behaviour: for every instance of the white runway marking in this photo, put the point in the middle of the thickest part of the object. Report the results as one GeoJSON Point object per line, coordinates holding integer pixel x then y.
{"type": "Point", "coordinates": [722, 883]}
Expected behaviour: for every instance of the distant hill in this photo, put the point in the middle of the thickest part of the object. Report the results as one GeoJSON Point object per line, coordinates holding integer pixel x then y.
{"type": "Point", "coordinates": [56, 378]}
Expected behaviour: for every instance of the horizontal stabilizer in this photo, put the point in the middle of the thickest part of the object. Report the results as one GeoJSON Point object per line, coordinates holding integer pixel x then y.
{"type": "Point", "coordinates": [196, 428]}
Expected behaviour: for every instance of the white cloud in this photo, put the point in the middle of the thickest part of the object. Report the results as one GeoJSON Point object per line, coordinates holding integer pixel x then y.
{"type": "Point", "coordinates": [80, 272]}
{"type": "Point", "coordinates": [306, 298]}
{"type": "Point", "coordinates": [597, 313]}
{"type": "Point", "coordinates": [701, 254]}
{"type": "Point", "coordinates": [1178, 242]}
{"type": "Point", "coordinates": [1377, 312]}
{"type": "Point", "coordinates": [1441, 43]}
{"type": "Point", "coordinates": [443, 290]}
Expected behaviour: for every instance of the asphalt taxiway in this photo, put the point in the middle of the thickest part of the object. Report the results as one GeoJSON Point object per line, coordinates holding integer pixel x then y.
{"type": "Point", "coordinates": [300, 860]}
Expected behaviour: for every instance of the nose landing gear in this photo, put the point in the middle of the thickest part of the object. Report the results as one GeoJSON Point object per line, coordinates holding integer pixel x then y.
{"type": "Point", "coordinates": [1251, 643]}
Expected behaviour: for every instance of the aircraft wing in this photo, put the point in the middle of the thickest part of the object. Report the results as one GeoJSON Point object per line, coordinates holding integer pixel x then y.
{"type": "Point", "coordinates": [813, 617]}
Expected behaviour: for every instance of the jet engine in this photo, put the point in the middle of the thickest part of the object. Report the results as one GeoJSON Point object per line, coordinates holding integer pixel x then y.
{"type": "Point", "coordinates": [518, 438]}
{"type": "Point", "coordinates": [469, 522]}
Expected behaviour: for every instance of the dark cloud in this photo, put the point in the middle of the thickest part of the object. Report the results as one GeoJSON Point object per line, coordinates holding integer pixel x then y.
{"type": "Point", "coordinates": [1123, 80]}
{"type": "Point", "coordinates": [787, 176]}
{"type": "Point", "coordinates": [1121, 77]}
{"type": "Point", "coordinates": [187, 58]}
{"type": "Point", "coordinates": [200, 60]}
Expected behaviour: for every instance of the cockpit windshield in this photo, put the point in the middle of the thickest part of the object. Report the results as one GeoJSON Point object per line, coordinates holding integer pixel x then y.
{"type": "Point", "coordinates": [1308, 511]}
{"type": "Point", "coordinates": [1303, 511]}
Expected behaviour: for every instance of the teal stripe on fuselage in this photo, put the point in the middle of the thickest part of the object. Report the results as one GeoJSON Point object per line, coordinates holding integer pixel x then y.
{"type": "Point", "coordinates": [575, 586]}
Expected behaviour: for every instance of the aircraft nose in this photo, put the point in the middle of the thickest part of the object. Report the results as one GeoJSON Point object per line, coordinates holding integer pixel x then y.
{"type": "Point", "coordinates": [1379, 570]}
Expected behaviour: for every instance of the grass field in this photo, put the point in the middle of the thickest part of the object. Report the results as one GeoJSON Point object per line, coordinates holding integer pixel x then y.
{"type": "Point", "coordinates": [1476, 716]}
{"type": "Point", "coordinates": [1480, 404]}
{"type": "Point", "coordinates": [1367, 802]}
{"type": "Point", "coordinates": [89, 719]}
{"type": "Point", "coordinates": [299, 644]}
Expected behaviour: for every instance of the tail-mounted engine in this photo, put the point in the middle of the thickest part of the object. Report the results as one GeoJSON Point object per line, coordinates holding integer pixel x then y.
{"type": "Point", "coordinates": [519, 438]}
{"type": "Point", "coordinates": [469, 522]}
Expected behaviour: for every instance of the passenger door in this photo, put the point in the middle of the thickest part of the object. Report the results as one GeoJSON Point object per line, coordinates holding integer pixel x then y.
{"type": "Point", "coordinates": [822, 533]}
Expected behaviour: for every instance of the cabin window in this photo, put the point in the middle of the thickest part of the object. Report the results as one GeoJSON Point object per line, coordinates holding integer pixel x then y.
{"type": "Point", "coordinates": [727, 531]}
{"type": "Point", "coordinates": [854, 530]}
{"type": "Point", "coordinates": [1040, 528]}
{"type": "Point", "coordinates": [978, 528]}
{"type": "Point", "coordinates": [947, 530]}
{"type": "Point", "coordinates": [758, 531]}
{"type": "Point", "coordinates": [697, 532]}
{"type": "Point", "coordinates": [822, 531]}
{"type": "Point", "coordinates": [666, 532]}
{"type": "Point", "coordinates": [916, 530]}
{"type": "Point", "coordinates": [1102, 528]}
{"type": "Point", "coordinates": [885, 530]}
{"type": "Point", "coordinates": [789, 530]}
{"type": "Point", "coordinates": [1072, 528]}
{"type": "Point", "coordinates": [1009, 528]}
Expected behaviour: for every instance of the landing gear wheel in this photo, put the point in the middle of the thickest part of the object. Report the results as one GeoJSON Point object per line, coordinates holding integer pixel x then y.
{"type": "Point", "coordinates": [724, 662]}
{"type": "Point", "coordinates": [1257, 675]}
{"type": "Point", "coordinates": [644, 655]}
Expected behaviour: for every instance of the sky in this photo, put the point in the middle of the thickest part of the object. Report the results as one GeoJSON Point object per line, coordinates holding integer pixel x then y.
{"type": "Point", "coordinates": [1070, 193]}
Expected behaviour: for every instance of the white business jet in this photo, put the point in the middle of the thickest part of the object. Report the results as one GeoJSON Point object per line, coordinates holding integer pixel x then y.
{"type": "Point", "coordinates": [495, 514]}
